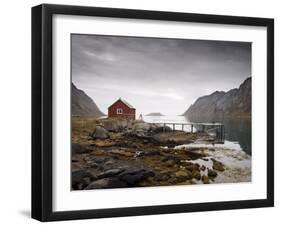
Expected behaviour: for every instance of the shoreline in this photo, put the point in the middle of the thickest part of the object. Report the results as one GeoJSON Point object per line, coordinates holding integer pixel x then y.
{"type": "Point", "coordinates": [112, 153]}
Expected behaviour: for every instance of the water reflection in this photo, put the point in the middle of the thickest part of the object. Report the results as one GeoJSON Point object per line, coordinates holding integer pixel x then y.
{"type": "Point", "coordinates": [236, 129]}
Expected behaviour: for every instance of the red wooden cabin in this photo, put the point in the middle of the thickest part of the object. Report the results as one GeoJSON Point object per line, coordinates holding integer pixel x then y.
{"type": "Point", "coordinates": [122, 109]}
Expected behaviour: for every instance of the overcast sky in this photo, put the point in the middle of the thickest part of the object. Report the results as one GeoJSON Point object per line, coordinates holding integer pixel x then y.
{"type": "Point", "coordinates": [156, 75]}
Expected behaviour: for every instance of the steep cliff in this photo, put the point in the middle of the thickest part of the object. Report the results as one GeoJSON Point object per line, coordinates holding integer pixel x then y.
{"type": "Point", "coordinates": [82, 104]}
{"type": "Point", "coordinates": [234, 103]}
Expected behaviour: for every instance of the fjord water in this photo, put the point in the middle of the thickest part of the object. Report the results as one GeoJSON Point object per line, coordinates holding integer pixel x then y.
{"type": "Point", "coordinates": [168, 119]}
{"type": "Point", "coordinates": [237, 130]}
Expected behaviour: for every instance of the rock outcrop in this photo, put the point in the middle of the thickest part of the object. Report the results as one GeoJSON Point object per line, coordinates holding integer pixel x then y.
{"type": "Point", "coordinates": [100, 133]}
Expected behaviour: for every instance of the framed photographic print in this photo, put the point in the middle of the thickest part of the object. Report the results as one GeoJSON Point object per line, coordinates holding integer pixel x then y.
{"type": "Point", "coordinates": [145, 112]}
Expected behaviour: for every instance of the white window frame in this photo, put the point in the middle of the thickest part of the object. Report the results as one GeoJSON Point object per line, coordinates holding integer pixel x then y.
{"type": "Point", "coordinates": [119, 111]}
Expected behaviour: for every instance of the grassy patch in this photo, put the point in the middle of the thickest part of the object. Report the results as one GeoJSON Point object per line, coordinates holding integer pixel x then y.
{"type": "Point", "coordinates": [82, 126]}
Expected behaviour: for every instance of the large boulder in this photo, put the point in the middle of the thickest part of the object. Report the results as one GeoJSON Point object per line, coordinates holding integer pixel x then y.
{"type": "Point", "coordinates": [143, 129]}
{"type": "Point", "coordinates": [110, 173]}
{"type": "Point", "coordinates": [159, 129]}
{"type": "Point", "coordinates": [205, 179]}
{"type": "Point", "coordinates": [100, 133]}
{"type": "Point", "coordinates": [183, 175]}
{"type": "Point", "coordinates": [80, 179]}
{"type": "Point", "coordinates": [134, 176]}
{"type": "Point", "coordinates": [78, 149]}
{"type": "Point", "coordinates": [111, 125]}
{"type": "Point", "coordinates": [196, 174]}
{"type": "Point", "coordinates": [212, 173]}
{"type": "Point", "coordinates": [116, 124]}
{"type": "Point", "coordinates": [109, 182]}
{"type": "Point", "coordinates": [217, 165]}
{"type": "Point", "coordinates": [123, 124]}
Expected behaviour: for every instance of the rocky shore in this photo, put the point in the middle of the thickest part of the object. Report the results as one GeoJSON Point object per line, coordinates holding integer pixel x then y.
{"type": "Point", "coordinates": [111, 153]}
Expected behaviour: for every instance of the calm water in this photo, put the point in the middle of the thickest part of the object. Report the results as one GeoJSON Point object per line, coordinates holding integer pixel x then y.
{"type": "Point", "coordinates": [168, 119]}
{"type": "Point", "coordinates": [239, 129]}
{"type": "Point", "coordinates": [236, 129]}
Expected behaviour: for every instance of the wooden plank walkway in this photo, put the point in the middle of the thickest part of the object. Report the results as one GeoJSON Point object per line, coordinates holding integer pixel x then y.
{"type": "Point", "coordinates": [215, 129]}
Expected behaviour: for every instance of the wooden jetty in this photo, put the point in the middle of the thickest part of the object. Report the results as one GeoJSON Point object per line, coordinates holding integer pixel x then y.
{"type": "Point", "coordinates": [216, 130]}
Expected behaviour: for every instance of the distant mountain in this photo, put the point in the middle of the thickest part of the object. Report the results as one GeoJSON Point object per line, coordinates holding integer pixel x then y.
{"type": "Point", "coordinates": [234, 103]}
{"type": "Point", "coordinates": [82, 104]}
{"type": "Point", "coordinates": [155, 114]}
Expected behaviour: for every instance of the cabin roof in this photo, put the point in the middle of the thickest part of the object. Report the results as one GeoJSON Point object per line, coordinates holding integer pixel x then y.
{"type": "Point", "coordinates": [124, 102]}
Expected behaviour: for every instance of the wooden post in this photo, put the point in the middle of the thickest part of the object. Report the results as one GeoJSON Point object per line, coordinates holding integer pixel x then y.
{"type": "Point", "coordinates": [173, 126]}
{"type": "Point", "coordinates": [191, 128]}
{"type": "Point", "coordinates": [164, 127]}
{"type": "Point", "coordinates": [182, 126]}
{"type": "Point", "coordinates": [217, 133]}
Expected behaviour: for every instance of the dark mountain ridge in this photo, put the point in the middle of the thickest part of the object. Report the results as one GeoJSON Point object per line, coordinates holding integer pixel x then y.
{"type": "Point", "coordinates": [234, 103]}
{"type": "Point", "coordinates": [82, 104]}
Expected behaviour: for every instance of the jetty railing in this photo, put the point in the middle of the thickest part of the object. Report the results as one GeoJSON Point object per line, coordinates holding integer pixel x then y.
{"type": "Point", "coordinates": [216, 130]}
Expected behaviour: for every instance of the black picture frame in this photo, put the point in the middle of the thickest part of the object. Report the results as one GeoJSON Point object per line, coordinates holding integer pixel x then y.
{"type": "Point", "coordinates": [42, 111]}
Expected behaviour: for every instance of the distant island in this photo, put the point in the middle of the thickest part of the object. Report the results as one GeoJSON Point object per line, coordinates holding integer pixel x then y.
{"type": "Point", "coordinates": [155, 114]}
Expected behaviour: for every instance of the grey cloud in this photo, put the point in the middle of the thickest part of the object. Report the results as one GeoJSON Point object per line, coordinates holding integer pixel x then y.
{"type": "Point", "coordinates": [156, 74]}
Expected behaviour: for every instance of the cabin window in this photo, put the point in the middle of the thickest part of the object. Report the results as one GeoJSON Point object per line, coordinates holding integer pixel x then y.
{"type": "Point", "coordinates": [119, 111]}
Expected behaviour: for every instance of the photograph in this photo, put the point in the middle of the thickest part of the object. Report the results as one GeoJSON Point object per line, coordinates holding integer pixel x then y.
{"type": "Point", "coordinates": [149, 111]}
{"type": "Point", "coordinates": [145, 112]}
